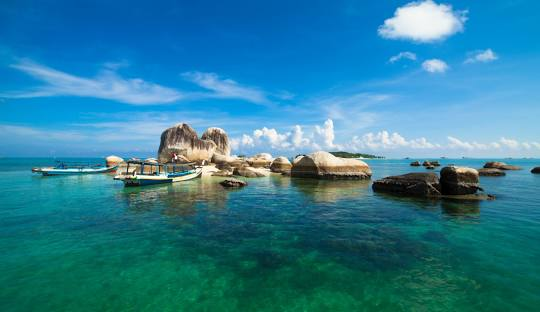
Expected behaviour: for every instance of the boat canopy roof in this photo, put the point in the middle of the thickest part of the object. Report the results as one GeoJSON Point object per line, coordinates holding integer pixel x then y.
{"type": "Point", "coordinates": [150, 163]}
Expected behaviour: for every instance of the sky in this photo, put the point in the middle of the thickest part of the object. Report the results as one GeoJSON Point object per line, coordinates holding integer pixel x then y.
{"type": "Point", "coordinates": [392, 78]}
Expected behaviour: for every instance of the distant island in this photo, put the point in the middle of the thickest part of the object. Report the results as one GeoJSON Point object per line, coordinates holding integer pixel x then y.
{"type": "Point", "coordinates": [355, 155]}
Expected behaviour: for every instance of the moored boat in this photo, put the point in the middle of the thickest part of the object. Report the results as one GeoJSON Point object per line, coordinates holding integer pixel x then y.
{"type": "Point", "coordinates": [148, 173]}
{"type": "Point", "coordinates": [66, 168]}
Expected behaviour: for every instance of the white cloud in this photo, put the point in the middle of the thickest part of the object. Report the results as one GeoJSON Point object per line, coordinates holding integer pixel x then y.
{"type": "Point", "coordinates": [326, 133]}
{"type": "Point", "coordinates": [483, 56]}
{"type": "Point", "coordinates": [502, 143]}
{"type": "Point", "coordinates": [226, 88]}
{"type": "Point", "coordinates": [435, 66]}
{"type": "Point", "coordinates": [423, 21]}
{"type": "Point", "coordinates": [107, 85]}
{"type": "Point", "coordinates": [403, 55]}
{"type": "Point", "coordinates": [385, 140]}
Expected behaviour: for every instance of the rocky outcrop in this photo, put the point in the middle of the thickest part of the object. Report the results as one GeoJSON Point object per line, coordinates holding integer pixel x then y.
{"type": "Point", "coordinates": [491, 172]}
{"type": "Point", "coordinates": [222, 173]}
{"type": "Point", "coordinates": [233, 183]}
{"type": "Point", "coordinates": [411, 184]}
{"type": "Point", "coordinates": [324, 165]}
{"type": "Point", "coordinates": [500, 165]}
{"type": "Point", "coordinates": [459, 180]}
{"type": "Point", "coordinates": [257, 162]}
{"type": "Point", "coordinates": [183, 140]}
{"type": "Point", "coordinates": [248, 172]}
{"type": "Point", "coordinates": [415, 164]}
{"type": "Point", "coordinates": [112, 161]}
{"type": "Point", "coordinates": [280, 165]}
{"type": "Point", "coordinates": [218, 136]}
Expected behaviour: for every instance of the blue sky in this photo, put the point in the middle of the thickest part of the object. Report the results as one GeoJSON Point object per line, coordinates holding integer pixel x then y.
{"type": "Point", "coordinates": [396, 78]}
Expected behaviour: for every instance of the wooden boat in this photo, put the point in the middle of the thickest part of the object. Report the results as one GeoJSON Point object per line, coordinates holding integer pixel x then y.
{"type": "Point", "coordinates": [148, 173]}
{"type": "Point", "coordinates": [65, 168]}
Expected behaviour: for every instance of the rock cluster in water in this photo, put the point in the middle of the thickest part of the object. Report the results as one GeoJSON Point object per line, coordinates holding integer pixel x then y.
{"type": "Point", "coordinates": [233, 183]}
{"type": "Point", "coordinates": [453, 181]}
{"type": "Point", "coordinates": [183, 140]}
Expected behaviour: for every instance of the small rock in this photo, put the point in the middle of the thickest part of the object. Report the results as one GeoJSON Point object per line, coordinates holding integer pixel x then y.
{"type": "Point", "coordinates": [248, 172]}
{"type": "Point", "coordinates": [435, 163]}
{"type": "Point", "coordinates": [222, 173]}
{"type": "Point", "coordinates": [426, 163]}
{"type": "Point", "coordinates": [233, 183]}
{"type": "Point", "coordinates": [491, 172]}
{"type": "Point", "coordinates": [430, 167]}
{"type": "Point", "coordinates": [500, 165]}
{"type": "Point", "coordinates": [535, 170]}
{"type": "Point", "coordinates": [415, 164]}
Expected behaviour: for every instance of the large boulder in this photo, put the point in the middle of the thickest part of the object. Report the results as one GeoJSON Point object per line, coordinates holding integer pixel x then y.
{"type": "Point", "coordinates": [535, 170]}
{"type": "Point", "coordinates": [500, 165]}
{"type": "Point", "coordinates": [491, 172]}
{"type": "Point", "coordinates": [183, 140]}
{"type": "Point", "coordinates": [459, 180]}
{"type": "Point", "coordinates": [248, 172]}
{"type": "Point", "coordinates": [113, 161]}
{"type": "Point", "coordinates": [258, 162]}
{"type": "Point", "coordinates": [324, 165]}
{"type": "Point", "coordinates": [280, 165]}
{"type": "Point", "coordinates": [218, 136]}
{"type": "Point", "coordinates": [265, 156]}
{"type": "Point", "coordinates": [411, 184]}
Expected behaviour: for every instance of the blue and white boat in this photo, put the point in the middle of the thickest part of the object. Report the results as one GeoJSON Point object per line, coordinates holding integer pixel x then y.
{"type": "Point", "coordinates": [141, 173]}
{"type": "Point", "coordinates": [65, 168]}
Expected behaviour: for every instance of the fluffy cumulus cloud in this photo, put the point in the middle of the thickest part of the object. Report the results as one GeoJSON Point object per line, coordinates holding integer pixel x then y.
{"type": "Point", "coordinates": [403, 55]}
{"type": "Point", "coordinates": [423, 21]}
{"type": "Point", "coordinates": [481, 56]}
{"type": "Point", "coordinates": [384, 140]}
{"type": "Point", "coordinates": [323, 137]}
{"type": "Point", "coordinates": [320, 137]}
{"type": "Point", "coordinates": [435, 66]}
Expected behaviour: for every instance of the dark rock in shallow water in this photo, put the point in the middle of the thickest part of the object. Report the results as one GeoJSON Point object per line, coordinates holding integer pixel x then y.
{"type": "Point", "coordinates": [415, 164]}
{"type": "Point", "coordinates": [500, 165]}
{"type": "Point", "coordinates": [459, 180]}
{"type": "Point", "coordinates": [412, 184]}
{"type": "Point", "coordinates": [426, 163]}
{"type": "Point", "coordinates": [233, 183]}
{"type": "Point", "coordinates": [435, 163]}
{"type": "Point", "coordinates": [248, 172]}
{"type": "Point", "coordinates": [491, 172]}
{"type": "Point", "coordinates": [430, 167]}
{"type": "Point", "coordinates": [535, 170]}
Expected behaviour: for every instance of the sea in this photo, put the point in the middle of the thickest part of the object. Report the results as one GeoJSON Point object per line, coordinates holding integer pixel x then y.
{"type": "Point", "coordinates": [87, 243]}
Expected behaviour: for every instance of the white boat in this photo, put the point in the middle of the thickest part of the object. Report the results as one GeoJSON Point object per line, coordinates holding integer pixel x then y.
{"type": "Point", "coordinates": [149, 173]}
{"type": "Point", "coordinates": [63, 168]}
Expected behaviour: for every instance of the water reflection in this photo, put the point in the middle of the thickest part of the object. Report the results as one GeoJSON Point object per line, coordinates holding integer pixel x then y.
{"type": "Point", "coordinates": [331, 190]}
{"type": "Point", "coordinates": [177, 199]}
{"type": "Point", "coordinates": [460, 208]}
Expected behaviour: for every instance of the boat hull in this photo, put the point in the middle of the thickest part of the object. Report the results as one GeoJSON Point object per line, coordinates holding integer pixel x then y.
{"type": "Point", "coordinates": [143, 180]}
{"type": "Point", "coordinates": [73, 171]}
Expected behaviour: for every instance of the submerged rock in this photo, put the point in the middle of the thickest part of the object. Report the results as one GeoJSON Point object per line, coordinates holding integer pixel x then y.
{"type": "Point", "coordinates": [112, 161]}
{"type": "Point", "coordinates": [415, 164]}
{"type": "Point", "coordinates": [491, 172]}
{"type": "Point", "coordinates": [280, 165]}
{"type": "Point", "coordinates": [324, 165]}
{"type": "Point", "coordinates": [233, 183]}
{"type": "Point", "coordinates": [459, 180]}
{"type": "Point", "coordinates": [183, 140]}
{"type": "Point", "coordinates": [535, 170]}
{"type": "Point", "coordinates": [218, 136]}
{"type": "Point", "coordinates": [500, 165]}
{"type": "Point", "coordinates": [413, 184]}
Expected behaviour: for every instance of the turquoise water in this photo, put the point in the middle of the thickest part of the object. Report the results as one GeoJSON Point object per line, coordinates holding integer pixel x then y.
{"type": "Point", "coordinates": [86, 243]}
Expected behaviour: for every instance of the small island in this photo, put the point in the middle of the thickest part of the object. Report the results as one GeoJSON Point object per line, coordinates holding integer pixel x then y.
{"type": "Point", "coordinates": [342, 154]}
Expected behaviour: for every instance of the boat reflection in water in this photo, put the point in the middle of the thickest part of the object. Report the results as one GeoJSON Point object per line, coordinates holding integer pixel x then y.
{"type": "Point", "coordinates": [152, 172]}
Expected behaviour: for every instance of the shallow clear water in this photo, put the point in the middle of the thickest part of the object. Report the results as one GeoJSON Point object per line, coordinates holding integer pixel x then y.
{"type": "Point", "coordinates": [86, 243]}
